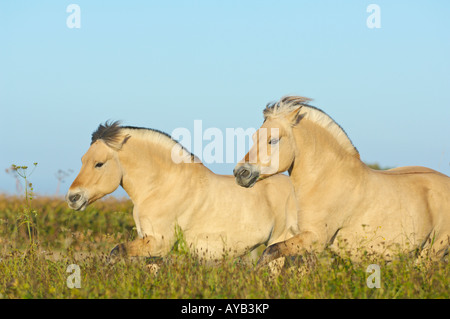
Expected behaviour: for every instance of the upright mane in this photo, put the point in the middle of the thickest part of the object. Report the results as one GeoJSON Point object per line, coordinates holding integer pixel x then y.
{"type": "Point", "coordinates": [110, 133]}
{"type": "Point", "coordinates": [288, 104]}
{"type": "Point", "coordinates": [114, 135]}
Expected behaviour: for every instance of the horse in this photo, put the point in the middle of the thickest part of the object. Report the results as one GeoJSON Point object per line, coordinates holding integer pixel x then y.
{"type": "Point", "coordinates": [169, 193]}
{"type": "Point", "coordinates": [343, 204]}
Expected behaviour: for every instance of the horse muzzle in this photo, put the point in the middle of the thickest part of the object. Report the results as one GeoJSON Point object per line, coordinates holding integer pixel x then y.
{"type": "Point", "coordinates": [77, 200]}
{"type": "Point", "coordinates": [246, 175]}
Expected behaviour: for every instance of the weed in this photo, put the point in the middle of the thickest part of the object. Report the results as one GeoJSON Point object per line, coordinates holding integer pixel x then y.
{"type": "Point", "coordinates": [85, 239]}
{"type": "Point", "coordinates": [27, 214]}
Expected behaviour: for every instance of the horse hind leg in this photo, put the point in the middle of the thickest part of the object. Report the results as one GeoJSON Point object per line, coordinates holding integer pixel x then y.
{"type": "Point", "coordinates": [436, 248]}
{"type": "Point", "coordinates": [440, 251]}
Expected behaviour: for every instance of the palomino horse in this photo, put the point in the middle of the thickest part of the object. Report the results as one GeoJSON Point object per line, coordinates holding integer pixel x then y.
{"type": "Point", "coordinates": [340, 199]}
{"type": "Point", "coordinates": [216, 216]}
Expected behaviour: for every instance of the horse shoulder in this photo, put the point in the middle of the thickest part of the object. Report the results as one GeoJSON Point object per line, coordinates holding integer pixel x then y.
{"type": "Point", "coordinates": [278, 188]}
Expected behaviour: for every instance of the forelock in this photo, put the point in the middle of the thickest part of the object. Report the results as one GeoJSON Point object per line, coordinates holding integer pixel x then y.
{"type": "Point", "coordinates": [110, 133]}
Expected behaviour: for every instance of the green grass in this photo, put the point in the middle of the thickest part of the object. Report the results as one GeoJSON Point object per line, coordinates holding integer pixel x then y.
{"type": "Point", "coordinates": [66, 237]}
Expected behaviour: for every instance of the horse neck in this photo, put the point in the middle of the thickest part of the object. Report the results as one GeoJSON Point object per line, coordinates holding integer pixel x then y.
{"type": "Point", "coordinates": [150, 173]}
{"type": "Point", "coordinates": [320, 157]}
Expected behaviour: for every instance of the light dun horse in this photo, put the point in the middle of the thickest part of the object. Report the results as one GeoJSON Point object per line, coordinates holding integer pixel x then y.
{"type": "Point", "coordinates": [341, 199]}
{"type": "Point", "coordinates": [216, 216]}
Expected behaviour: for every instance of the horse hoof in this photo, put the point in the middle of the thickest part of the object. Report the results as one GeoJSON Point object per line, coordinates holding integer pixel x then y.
{"type": "Point", "coordinates": [118, 251]}
{"type": "Point", "coordinates": [269, 254]}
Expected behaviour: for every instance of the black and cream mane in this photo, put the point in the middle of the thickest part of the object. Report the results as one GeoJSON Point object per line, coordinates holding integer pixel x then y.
{"type": "Point", "coordinates": [114, 135]}
{"type": "Point", "coordinates": [288, 104]}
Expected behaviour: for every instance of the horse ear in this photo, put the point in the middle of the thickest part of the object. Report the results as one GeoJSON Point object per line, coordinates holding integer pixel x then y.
{"type": "Point", "coordinates": [294, 117]}
{"type": "Point", "coordinates": [125, 140]}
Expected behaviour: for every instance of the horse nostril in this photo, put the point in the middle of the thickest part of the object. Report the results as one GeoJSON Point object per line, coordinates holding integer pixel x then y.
{"type": "Point", "coordinates": [245, 173]}
{"type": "Point", "coordinates": [74, 198]}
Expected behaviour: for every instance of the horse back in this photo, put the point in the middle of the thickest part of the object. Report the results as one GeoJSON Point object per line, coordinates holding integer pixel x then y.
{"type": "Point", "coordinates": [412, 170]}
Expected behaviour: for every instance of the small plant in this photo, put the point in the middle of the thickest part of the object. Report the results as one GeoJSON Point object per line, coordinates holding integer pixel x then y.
{"type": "Point", "coordinates": [13, 173]}
{"type": "Point", "coordinates": [378, 166]}
{"type": "Point", "coordinates": [28, 212]}
{"type": "Point", "coordinates": [61, 176]}
{"type": "Point", "coordinates": [180, 246]}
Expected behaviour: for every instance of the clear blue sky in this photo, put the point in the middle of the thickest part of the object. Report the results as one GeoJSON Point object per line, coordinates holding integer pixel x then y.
{"type": "Point", "coordinates": [164, 64]}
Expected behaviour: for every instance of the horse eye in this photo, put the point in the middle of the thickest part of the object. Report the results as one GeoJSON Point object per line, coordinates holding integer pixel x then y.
{"type": "Point", "coordinates": [98, 165]}
{"type": "Point", "coordinates": [274, 141]}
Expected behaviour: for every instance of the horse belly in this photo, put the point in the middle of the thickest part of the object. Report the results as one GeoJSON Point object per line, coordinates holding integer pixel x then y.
{"type": "Point", "coordinates": [215, 245]}
{"type": "Point", "coordinates": [388, 227]}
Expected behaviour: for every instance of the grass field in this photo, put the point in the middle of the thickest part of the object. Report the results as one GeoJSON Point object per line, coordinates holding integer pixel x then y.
{"type": "Point", "coordinates": [61, 237]}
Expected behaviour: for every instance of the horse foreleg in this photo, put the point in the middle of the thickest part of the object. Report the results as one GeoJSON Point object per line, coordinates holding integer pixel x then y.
{"type": "Point", "coordinates": [147, 246]}
{"type": "Point", "coordinates": [294, 246]}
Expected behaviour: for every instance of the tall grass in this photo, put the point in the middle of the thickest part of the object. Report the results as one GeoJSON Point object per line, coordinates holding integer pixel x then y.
{"type": "Point", "coordinates": [85, 238]}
